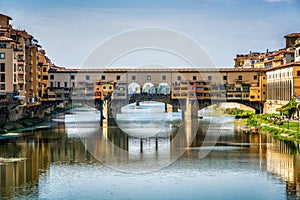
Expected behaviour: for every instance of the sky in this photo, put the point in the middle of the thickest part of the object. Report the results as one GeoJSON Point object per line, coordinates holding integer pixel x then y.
{"type": "Point", "coordinates": [70, 30]}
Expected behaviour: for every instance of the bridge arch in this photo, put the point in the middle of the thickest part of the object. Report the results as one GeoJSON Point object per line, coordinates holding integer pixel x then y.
{"type": "Point", "coordinates": [149, 88]}
{"type": "Point", "coordinates": [225, 105]}
{"type": "Point", "coordinates": [134, 88]}
{"type": "Point", "coordinates": [163, 88]}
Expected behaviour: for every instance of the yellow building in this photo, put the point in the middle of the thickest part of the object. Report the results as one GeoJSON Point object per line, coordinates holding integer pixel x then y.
{"type": "Point", "coordinates": [258, 89]}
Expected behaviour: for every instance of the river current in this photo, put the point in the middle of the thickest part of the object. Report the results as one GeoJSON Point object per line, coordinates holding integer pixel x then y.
{"type": "Point", "coordinates": [147, 154]}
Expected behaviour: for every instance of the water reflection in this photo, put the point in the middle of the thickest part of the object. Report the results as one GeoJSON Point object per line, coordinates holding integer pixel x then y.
{"type": "Point", "coordinates": [27, 160]}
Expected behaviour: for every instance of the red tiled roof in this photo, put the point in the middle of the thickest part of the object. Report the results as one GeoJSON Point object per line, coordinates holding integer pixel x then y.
{"type": "Point", "coordinates": [293, 35]}
{"type": "Point", "coordinates": [3, 38]}
{"type": "Point", "coordinates": [284, 65]}
{"type": "Point", "coordinates": [6, 16]}
{"type": "Point", "coordinates": [21, 32]}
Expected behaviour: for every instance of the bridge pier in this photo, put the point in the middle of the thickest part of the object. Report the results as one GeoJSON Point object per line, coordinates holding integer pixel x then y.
{"type": "Point", "coordinates": [189, 108]}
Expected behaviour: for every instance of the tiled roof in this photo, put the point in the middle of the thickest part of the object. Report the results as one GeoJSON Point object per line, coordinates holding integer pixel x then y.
{"type": "Point", "coordinates": [180, 70]}
{"type": "Point", "coordinates": [6, 16]}
{"type": "Point", "coordinates": [293, 35]}
{"type": "Point", "coordinates": [21, 32]}
{"type": "Point", "coordinates": [285, 65]}
{"type": "Point", "coordinates": [3, 38]}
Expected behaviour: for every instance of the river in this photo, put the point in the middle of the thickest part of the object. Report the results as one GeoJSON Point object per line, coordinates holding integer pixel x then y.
{"type": "Point", "coordinates": [149, 157]}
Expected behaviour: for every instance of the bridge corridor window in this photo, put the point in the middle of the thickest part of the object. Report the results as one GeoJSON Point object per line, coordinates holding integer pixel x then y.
{"type": "Point", "coordinates": [118, 77]}
{"type": "Point", "coordinates": [103, 77]}
{"type": "Point", "coordinates": [179, 78]}
{"type": "Point", "coordinates": [209, 78]}
{"type": "Point", "coordinates": [255, 77]}
{"type": "Point", "coordinates": [224, 78]}
{"type": "Point", "coordinates": [148, 77]}
{"type": "Point", "coordinates": [72, 77]}
{"type": "Point", "coordinates": [133, 78]}
{"type": "Point", "coordinates": [194, 78]}
{"type": "Point", "coordinates": [163, 78]}
{"type": "Point", "coordinates": [87, 77]}
{"type": "Point", "coordinates": [240, 77]}
{"type": "Point", "coordinates": [133, 89]}
{"type": "Point", "coordinates": [298, 73]}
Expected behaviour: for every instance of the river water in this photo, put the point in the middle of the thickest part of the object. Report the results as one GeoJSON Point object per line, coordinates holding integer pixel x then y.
{"type": "Point", "coordinates": [147, 156]}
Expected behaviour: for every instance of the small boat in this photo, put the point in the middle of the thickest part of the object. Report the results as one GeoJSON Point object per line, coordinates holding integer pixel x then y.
{"type": "Point", "coordinates": [42, 127]}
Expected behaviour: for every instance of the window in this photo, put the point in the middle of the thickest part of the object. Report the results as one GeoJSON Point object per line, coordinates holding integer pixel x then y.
{"type": "Point", "coordinates": [179, 78]}
{"type": "Point", "coordinates": [148, 77]}
{"type": "Point", "coordinates": [72, 77]}
{"type": "Point", "coordinates": [87, 77]}
{"type": "Point", "coordinates": [51, 77]}
{"type": "Point", "coordinates": [224, 78]}
{"type": "Point", "coordinates": [103, 77]}
{"type": "Point", "coordinates": [2, 86]}
{"type": "Point", "coordinates": [164, 78]}
{"type": "Point", "coordinates": [45, 69]}
{"type": "Point", "coordinates": [209, 78]}
{"type": "Point", "coordinates": [51, 84]}
{"type": "Point", "coordinates": [15, 78]}
{"type": "Point", "coordinates": [66, 84]}
{"type": "Point", "coordinates": [2, 77]}
{"type": "Point", "coordinates": [240, 77]}
{"type": "Point", "coordinates": [255, 77]}
{"type": "Point", "coordinates": [15, 67]}
{"type": "Point", "coordinates": [58, 84]}
{"type": "Point", "coordinates": [2, 55]}
{"type": "Point", "coordinates": [73, 84]}
{"type": "Point", "coordinates": [118, 77]}
{"type": "Point", "coordinates": [45, 77]}
{"type": "Point", "coordinates": [2, 67]}
{"type": "Point", "coordinates": [194, 78]}
{"type": "Point", "coordinates": [298, 73]}
{"type": "Point", "coordinates": [133, 78]}
{"type": "Point", "coordinates": [2, 45]}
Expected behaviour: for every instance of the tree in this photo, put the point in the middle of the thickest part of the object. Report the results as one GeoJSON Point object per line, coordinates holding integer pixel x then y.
{"type": "Point", "coordinates": [289, 109]}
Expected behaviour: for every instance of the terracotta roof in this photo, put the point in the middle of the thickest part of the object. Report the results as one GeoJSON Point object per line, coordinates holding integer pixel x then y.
{"type": "Point", "coordinates": [293, 35]}
{"type": "Point", "coordinates": [3, 38]}
{"type": "Point", "coordinates": [285, 65]}
{"type": "Point", "coordinates": [22, 33]}
{"type": "Point", "coordinates": [180, 70]}
{"type": "Point", "coordinates": [6, 16]}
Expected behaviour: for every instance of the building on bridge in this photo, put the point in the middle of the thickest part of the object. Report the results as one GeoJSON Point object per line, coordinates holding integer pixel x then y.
{"type": "Point", "coordinates": [208, 86]}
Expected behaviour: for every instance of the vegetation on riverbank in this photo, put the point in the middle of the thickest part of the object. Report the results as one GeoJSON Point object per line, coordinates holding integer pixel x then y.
{"type": "Point", "coordinates": [29, 122]}
{"type": "Point", "coordinates": [279, 127]}
{"type": "Point", "coordinates": [238, 113]}
{"type": "Point", "coordinates": [20, 124]}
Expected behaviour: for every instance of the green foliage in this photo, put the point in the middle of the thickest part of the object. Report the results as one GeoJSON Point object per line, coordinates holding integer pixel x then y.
{"type": "Point", "coordinates": [238, 112]}
{"type": "Point", "coordinates": [289, 109]}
